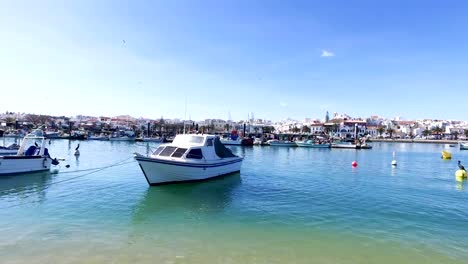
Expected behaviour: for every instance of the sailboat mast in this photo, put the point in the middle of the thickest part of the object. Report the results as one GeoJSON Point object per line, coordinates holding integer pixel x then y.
{"type": "Point", "coordinates": [185, 114]}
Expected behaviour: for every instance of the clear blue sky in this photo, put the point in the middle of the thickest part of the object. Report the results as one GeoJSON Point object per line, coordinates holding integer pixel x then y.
{"type": "Point", "coordinates": [143, 58]}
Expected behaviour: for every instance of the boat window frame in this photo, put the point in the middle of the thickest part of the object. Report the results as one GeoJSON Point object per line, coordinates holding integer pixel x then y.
{"type": "Point", "coordinates": [181, 154]}
{"type": "Point", "coordinates": [209, 142]}
{"type": "Point", "coordinates": [160, 148]}
{"type": "Point", "coordinates": [163, 153]}
{"type": "Point", "coordinates": [194, 156]}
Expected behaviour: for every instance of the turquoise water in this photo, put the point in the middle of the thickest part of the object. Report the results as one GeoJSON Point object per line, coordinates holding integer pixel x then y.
{"type": "Point", "coordinates": [288, 205]}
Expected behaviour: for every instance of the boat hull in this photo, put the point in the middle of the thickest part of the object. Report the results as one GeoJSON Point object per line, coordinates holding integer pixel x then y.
{"type": "Point", "coordinates": [307, 145]}
{"type": "Point", "coordinates": [283, 144]}
{"type": "Point", "coordinates": [463, 146]}
{"type": "Point", "coordinates": [10, 165]}
{"type": "Point", "coordinates": [122, 139]}
{"type": "Point", "coordinates": [160, 172]}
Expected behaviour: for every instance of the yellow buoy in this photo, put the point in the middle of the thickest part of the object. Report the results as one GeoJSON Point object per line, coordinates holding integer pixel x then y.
{"type": "Point", "coordinates": [460, 174]}
{"type": "Point", "coordinates": [446, 155]}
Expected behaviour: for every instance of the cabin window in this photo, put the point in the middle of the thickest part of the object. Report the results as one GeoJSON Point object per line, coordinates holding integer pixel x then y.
{"type": "Point", "coordinates": [167, 151]}
{"type": "Point", "coordinates": [195, 154]}
{"type": "Point", "coordinates": [179, 152]}
{"type": "Point", "coordinates": [158, 150]}
{"type": "Point", "coordinates": [209, 142]}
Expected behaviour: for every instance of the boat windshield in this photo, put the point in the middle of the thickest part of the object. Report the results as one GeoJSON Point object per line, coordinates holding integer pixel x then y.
{"type": "Point", "coordinates": [186, 139]}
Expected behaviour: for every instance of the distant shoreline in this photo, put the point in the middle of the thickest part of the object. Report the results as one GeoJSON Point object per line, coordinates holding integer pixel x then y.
{"type": "Point", "coordinates": [432, 141]}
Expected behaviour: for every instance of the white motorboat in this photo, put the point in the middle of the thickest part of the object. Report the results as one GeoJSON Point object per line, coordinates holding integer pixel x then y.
{"type": "Point", "coordinates": [32, 156]}
{"type": "Point", "coordinates": [52, 134]}
{"type": "Point", "coordinates": [282, 143]}
{"type": "Point", "coordinates": [312, 144]}
{"type": "Point", "coordinates": [122, 138]}
{"type": "Point", "coordinates": [152, 139]}
{"type": "Point", "coordinates": [351, 146]}
{"type": "Point", "coordinates": [188, 158]}
{"type": "Point", "coordinates": [463, 145]}
{"type": "Point", "coordinates": [98, 137]}
{"type": "Point", "coordinates": [232, 142]}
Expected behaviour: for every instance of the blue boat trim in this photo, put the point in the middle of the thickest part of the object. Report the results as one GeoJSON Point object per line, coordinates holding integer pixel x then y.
{"type": "Point", "coordinates": [189, 181]}
{"type": "Point", "coordinates": [183, 164]}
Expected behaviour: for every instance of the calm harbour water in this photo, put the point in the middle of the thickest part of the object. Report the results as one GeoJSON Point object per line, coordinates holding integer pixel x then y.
{"type": "Point", "coordinates": [288, 205]}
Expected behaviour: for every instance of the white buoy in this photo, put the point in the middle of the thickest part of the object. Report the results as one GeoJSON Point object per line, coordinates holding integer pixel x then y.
{"type": "Point", "coordinates": [394, 162]}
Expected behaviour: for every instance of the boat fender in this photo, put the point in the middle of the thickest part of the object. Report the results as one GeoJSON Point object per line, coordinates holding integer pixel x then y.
{"type": "Point", "coordinates": [44, 163]}
{"type": "Point", "coordinates": [460, 174]}
{"type": "Point", "coordinates": [354, 164]}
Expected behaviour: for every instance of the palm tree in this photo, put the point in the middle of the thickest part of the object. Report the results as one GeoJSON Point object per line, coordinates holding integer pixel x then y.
{"type": "Point", "coordinates": [426, 132]}
{"type": "Point", "coordinates": [390, 131]}
{"type": "Point", "coordinates": [437, 130]}
{"type": "Point", "coordinates": [455, 135]}
{"type": "Point", "coordinates": [380, 130]}
{"type": "Point", "coordinates": [305, 129]}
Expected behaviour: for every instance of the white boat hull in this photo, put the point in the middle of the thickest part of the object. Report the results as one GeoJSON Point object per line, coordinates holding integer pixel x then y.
{"type": "Point", "coordinates": [152, 140]}
{"type": "Point", "coordinates": [231, 142]}
{"type": "Point", "coordinates": [307, 145]}
{"type": "Point", "coordinates": [10, 165]}
{"type": "Point", "coordinates": [158, 172]}
{"type": "Point", "coordinates": [463, 146]}
{"type": "Point", "coordinates": [122, 139]}
{"type": "Point", "coordinates": [283, 144]}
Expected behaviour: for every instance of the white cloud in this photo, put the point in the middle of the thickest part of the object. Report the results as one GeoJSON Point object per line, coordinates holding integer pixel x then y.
{"type": "Point", "coordinates": [283, 104]}
{"type": "Point", "coordinates": [326, 53]}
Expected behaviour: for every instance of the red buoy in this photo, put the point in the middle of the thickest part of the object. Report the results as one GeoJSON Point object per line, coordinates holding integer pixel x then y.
{"type": "Point", "coordinates": [354, 164]}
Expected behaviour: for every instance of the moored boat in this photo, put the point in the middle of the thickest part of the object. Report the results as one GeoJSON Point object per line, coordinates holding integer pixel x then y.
{"type": "Point", "coordinates": [188, 158]}
{"type": "Point", "coordinates": [312, 144]}
{"type": "Point", "coordinates": [463, 145]}
{"type": "Point", "coordinates": [281, 143]}
{"type": "Point", "coordinates": [153, 139]}
{"type": "Point", "coordinates": [32, 156]}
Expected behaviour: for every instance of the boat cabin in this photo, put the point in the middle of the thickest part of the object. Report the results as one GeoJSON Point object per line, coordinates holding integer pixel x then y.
{"type": "Point", "coordinates": [193, 147]}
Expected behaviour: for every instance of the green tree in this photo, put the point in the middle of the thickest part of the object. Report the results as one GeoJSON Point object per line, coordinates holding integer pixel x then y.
{"type": "Point", "coordinates": [466, 132]}
{"type": "Point", "coordinates": [437, 130]}
{"type": "Point", "coordinates": [380, 130]}
{"type": "Point", "coordinates": [390, 131]}
{"type": "Point", "coordinates": [295, 129]}
{"type": "Point", "coordinates": [426, 132]}
{"type": "Point", "coordinates": [455, 135]}
{"type": "Point", "coordinates": [268, 129]}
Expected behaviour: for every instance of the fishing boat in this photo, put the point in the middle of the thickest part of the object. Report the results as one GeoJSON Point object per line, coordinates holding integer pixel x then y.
{"type": "Point", "coordinates": [98, 137]}
{"type": "Point", "coordinates": [188, 158]}
{"type": "Point", "coordinates": [52, 134]}
{"type": "Point", "coordinates": [281, 143]}
{"type": "Point", "coordinates": [463, 145]}
{"type": "Point", "coordinates": [32, 156]}
{"type": "Point", "coordinates": [233, 140]}
{"type": "Point", "coordinates": [153, 139]}
{"type": "Point", "coordinates": [312, 144]}
{"type": "Point", "coordinates": [344, 145]}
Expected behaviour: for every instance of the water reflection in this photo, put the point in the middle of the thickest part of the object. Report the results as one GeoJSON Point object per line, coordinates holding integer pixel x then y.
{"type": "Point", "coordinates": [27, 186]}
{"type": "Point", "coordinates": [190, 198]}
